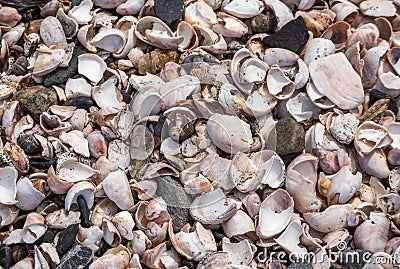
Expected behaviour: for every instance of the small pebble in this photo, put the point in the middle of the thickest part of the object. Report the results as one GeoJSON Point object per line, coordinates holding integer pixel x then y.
{"type": "Point", "coordinates": [168, 11]}
{"type": "Point", "coordinates": [67, 239]}
{"type": "Point", "coordinates": [6, 257]}
{"type": "Point", "coordinates": [37, 99]}
{"type": "Point", "coordinates": [20, 66]}
{"type": "Point", "coordinates": [292, 36]}
{"type": "Point", "coordinates": [77, 257]}
{"type": "Point", "coordinates": [85, 212]}
{"type": "Point", "coordinates": [84, 102]}
{"type": "Point", "coordinates": [289, 137]}
{"type": "Point", "coordinates": [263, 22]}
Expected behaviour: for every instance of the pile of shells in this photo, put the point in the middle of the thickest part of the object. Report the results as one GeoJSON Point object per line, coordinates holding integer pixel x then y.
{"type": "Point", "coordinates": [199, 134]}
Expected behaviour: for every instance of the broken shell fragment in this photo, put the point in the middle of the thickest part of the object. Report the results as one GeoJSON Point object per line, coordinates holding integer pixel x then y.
{"type": "Point", "coordinates": [34, 228]}
{"type": "Point", "coordinates": [92, 67]}
{"type": "Point", "coordinates": [112, 40]}
{"type": "Point", "coordinates": [116, 187]}
{"type": "Point", "coordinates": [331, 219]}
{"type": "Point", "coordinates": [8, 185]}
{"type": "Point", "coordinates": [84, 189]}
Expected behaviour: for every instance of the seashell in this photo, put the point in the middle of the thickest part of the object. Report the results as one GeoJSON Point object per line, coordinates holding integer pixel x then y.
{"type": "Point", "coordinates": [8, 213]}
{"type": "Point", "coordinates": [190, 41]}
{"type": "Point", "coordinates": [332, 218]}
{"type": "Point", "coordinates": [112, 40]}
{"type": "Point", "coordinates": [52, 124]}
{"type": "Point", "coordinates": [91, 66]}
{"type": "Point", "coordinates": [60, 220]}
{"type": "Point", "coordinates": [393, 57]}
{"type": "Point", "coordinates": [25, 263]}
{"type": "Point", "coordinates": [6, 90]}
{"type": "Point", "coordinates": [278, 208]}
{"type": "Point", "coordinates": [376, 8]}
{"type": "Point", "coordinates": [200, 13]}
{"type": "Point", "coordinates": [117, 260]}
{"type": "Point", "coordinates": [394, 179]}
{"type": "Point", "coordinates": [324, 70]}
{"type": "Point", "coordinates": [124, 223]}
{"type": "Point", "coordinates": [85, 35]}
{"type": "Point", "coordinates": [97, 144]}
{"type": "Point", "coordinates": [211, 42]}
{"type": "Point", "coordinates": [118, 152]}
{"type": "Point", "coordinates": [9, 16]}
{"type": "Point", "coordinates": [8, 186]}
{"type": "Point", "coordinates": [343, 127]}
{"type": "Point", "coordinates": [225, 133]}
{"type": "Point", "coordinates": [240, 253]}
{"type": "Point", "coordinates": [155, 32]}
{"type": "Point", "coordinates": [139, 243]}
{"type": "Point", "coordinates": [50, 9]}
{"type": "Point", "coordinates": [70, 25]}
{"type": "Point", "coordinates": [282, 13]}
{"type": "Point", "coordinates": [178, 90]}
{"type": "Point", "coordinates": [157, 233]}
{"type": "Point", "coordinates": [339, 33]}
{"type": "Point", "coordinates": [51, 31]}
{"type": "Point", "coordinates": [63, 112]}
{"type": "Point", "coordinates": [370, 136]}
{"type": "Point", "coordinates": [353, 53]}
{"type": "Point", "coordinates": [301, 179]}
{"type": "Point", "coordinates": [193, 245]}
{"type": "Point", "coordinates": [55, 184]}
{"type": "Point", "coordinates": [130, 7]}
{"type": "Point", "coordinates": [301, 108]}
{"type": "Point", "coordinates": [242, 10]}
{"type": "Point", "coordinates": [142, 143]}
{"type": "Point", "coordinates": [372, 60]}
{"type": "Point", "coordinates": [103, 209]}
{"type": "Point", "coordinates": [285, 240]}
{"type": "Point", "coordinates": [28, 196]}
{"type": "Point", "coordinates": [110, 233]}
{"type": "Point", "coordinates": [77, 87]}
{"type": "Point", "coordinates": [373, 234]}
{"type": "Point", "coordinates": [130, 44]}
{"type": "Point", "coordinates": [47, 60]}
{"type": "Point", "coordinates": [317, 21]}
{"type": "Point", "coordinates": [318, 48]}
{"type": "Point", "coordinates": [343, 185]}
{"type": "Point", "coordinates": [81, 13]}
{"type": "Point", "coordinates": [238, 224]}
{"type": "Point", "coordinates": [116, 187]}
{"type": "Point", "coordinates": [212, 207]}
{"type": "Point", "coordinates": [84, 189]}
{"type": "Point", "coordinates": [108, 4]}
{"type": "Point", "coordinates": [280, 86]}
{"type": "Point", "coordinates": [34, 228]}
{"type": "Point", "coordinates": [14, 35]}
{"type": "Point", "coordinates": [90, 237]}
{"type": "Point", "coordinates": [246, 175]}
{"type": "Point", "coordinates": [345, 11]}
{"type": "Point", "coordinates": [258, 104]}
{"type": "Point", "coordinates": [236, 70]}
{"type": "Point", "coordinates": [388, 203]}
{"type": "Point", "coordinates": [77, 141]}
{"type": "Point", "coordinates": [40, 260]}
{"type": "Point", "coordinates": [374, 164]}
{"type": "Point", "coordinates": [107, 97]}
{"type": "Point", "coordinates": [72, 171]}
{"type": "Point", "coordinates": [198, 185]}
{"type": "Point", "coordinates": [273, 165]}
{"type": "Point", "coordinates": [229, 26]}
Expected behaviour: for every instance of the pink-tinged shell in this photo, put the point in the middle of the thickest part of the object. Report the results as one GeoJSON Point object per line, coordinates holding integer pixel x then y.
{"type": "Point", "coordinates": [239, 224]}
{"type": "Point", "coordinates": [116, 187]}
{"type": "Point", "coordinates": [331, 219]}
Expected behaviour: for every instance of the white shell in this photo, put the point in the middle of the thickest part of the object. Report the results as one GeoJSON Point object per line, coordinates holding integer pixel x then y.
{"type": "Point", "coordinates": [130, 7]}
{"type": "Point", "coordinates": [85, 189]}
{"type": "Point", "coordinates": [318, 48]}
{"type": "Point", "coordinates": [376, 8]}
{"type": "Point", "coordinates": [107, 96]}
{"type": "Point", "coordinates": [34, 228]}
{"type": "Point", "coordinates": [331, 219]}
{"type": "Point", "coordinates": [28, 196]}
{"type": "Point", "coordinates": [302, 108]}
{"type": "Point", "coordinates": [8, 186]}
{"type": "Point", "coordinates": [200, 13]}
{"type": "Point", "coordinates": [116, 187]}
{"type": "Point", "coordinates": [243, 9]}
{"type": "Point", "coordinates": [239, 224]}
{"type": "Point", "coordinates": [112, 40]}
{"type": "Point", "coordinates": [289, 240]}
{"type": "Point", "coordinates": [60, 220]}
{"type": "Point", "coordinates": [51, 31]}
{"type": "Point", "coordinates": [47, 60]}
{"type": "Point", "coordinates": [229, 26]}
{"type": "Point", "coordinates": [282, 13]}
{"type": "Point", "coordinates": [75, 87]}
{"type": "Point", "coordinates": [343, 186]}
{"type": "Point", "coordinates": [82, 12]}
{"type": "Point", "coordinates": [77, 141]}
{"type": "Point", "coordinates": [275, 214]}
{"type": "Point", "coordinates": [334, 77]}
{"type": "Point", "coordinates": [370, 136]}
{"type": "Point", "coordinates": [92, 67]}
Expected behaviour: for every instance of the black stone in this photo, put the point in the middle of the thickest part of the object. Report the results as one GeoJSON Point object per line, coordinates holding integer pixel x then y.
{"type": "Point", "coordinates": [168, 11]}
{"type": "Point", "coordinates": [48, 237]}
{"type": "Point", "coordinates": [127, 98]}
{"type": "Point", "coordinates": [188, 264]}
{"type": "Point", "coordinates": [290, 137]}
{"type": "Point", "coordinates": [353, 259]}
{"type": "Point", "coordinates": [84, 102]}
{"type": "Point", "coordinates": [77, 257]}
{"type": "Point", "coordinates": [292, 36]}
{"type": "Point", "coordinates": [61, 74]}
{"type": "Point", "coordinates": [29, 144]}
{"type": "Point", "coordinates": [41, 162]}
{"type": "Point", "coordinates": [67, 239]}
{"type": "Point", "coordinates": [300, 265]}
{"type": "Point", "coordinates": [37, 99]}
{"type": "Point", "coordinates": [161, 127]}
{"type": "Point", "coordinates": [6, 257]}
{"type": "Point", "coordinates": [29, 13]}
{"type": "Point", "coordinates": [21, 4]}
{"type": "Point", "coordinates": [177, 200]}
{"type": "Point", "coordinates": [376, 95]}
{"type": "Point", "coordinates": [85, 212]}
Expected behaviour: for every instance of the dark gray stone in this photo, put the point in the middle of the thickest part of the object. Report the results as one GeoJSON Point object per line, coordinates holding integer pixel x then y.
{"type": "Point", "coordinates": [289, 137]}
{"type": "Point", "coordinates": [77, 257]}
{"type": "Point", "coordinates": [85, 212]}
{"type": "Point", "coordinates": [67, 239]}
{"type": "Point", "coordinates": [84, 102]}
{"type": "Point", "coordinates": [292, 36]}
{"type": "Point", "coordinates": [376, 95]}
{"type": "Point", "coordinates": [37, 99]}
{"type": "Point", "coordinates": [61, 74]}
{"type": "Point", "coordinates": [178, 201]}
{"type": "Point", "coordinates": [24, 3]}
{"type": "Point", "coordinates": [168, 11]}
{"type": "Point", "coordinates": [6, 257]}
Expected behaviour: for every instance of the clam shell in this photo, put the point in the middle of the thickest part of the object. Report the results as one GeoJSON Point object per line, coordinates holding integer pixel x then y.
{"type": "Point", "coordinates": [107, 97]}
{"type": "Point", "coordinates": [343, 186]}
{"type": "Point", "coordinates": [374, 163]}
{"type": "Point", "coordinates": [77, 141]}
{"type": "Point", "coordinates": [318, 48]}
{"type": "Point", "coordinates": [200, 13]}
{"type": "Point", "coordinates": [394, 59]}
{"type": "Point", "coordinates": [60, 220]}
{"type": "Point", "coordinates": [377, 8]}
{"type": "Point", "coordinates": [282, 13]}
{"type": "Point", "coordinates": [370, 136]}
{"type": "Point", "coordinates": [275, 214]}
{"type": "Point", "coordinates": [229, 26]}
{"type": "Point", "coordinates": [190, 41]}
{"type": "Point", "coordinates": [130, 7]}
{"type": "Point", "coordinates": [239, 224]}
{"type": "Point", "coordinates": [8, 214]}
{"type": "Point", "coordinates": [116, 187]}
{"type": "Point", "coordinates": [81, 13]}
{"type": "Point", "coordinates": [334, 77]}
{"type": "Point", "coordinates": [28, 196]}
{"type": "Point", "coordinates": [34, 228]}
{"type": "Point", "coordinates": [112, 40]}
{"type": "Point", "coordinates": [47, 60]}
{"type": "Point", "coordinates": [142, 143]}
{"type": "Point", "coordinates": [293, 231]}
{"type": "Point", "coordinates": [85, 189]}
{"type": "Point", "coordinates": [8, 186]}
{"type": "Point", "coordinates": [242, 9]}
{"type": "Point", "coordinates": [331, 219]}
{"type": "Point", "coordinates": [91, 66]}
{"type": "Point", "coordinates": [108, 4]}
{"type": "Point", "coordinates": [9, 16]}
{"type": "Point", "coordinates": [51, 31]}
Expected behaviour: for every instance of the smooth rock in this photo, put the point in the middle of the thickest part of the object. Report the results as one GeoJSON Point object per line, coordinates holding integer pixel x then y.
{"type": "Point", "coordinates": [61, 74]}
{"type": "Point", "coordinates": [177, 200]}
{"type": "Point", "coordinates": [20, 66]}
{"type": "Point", "coordinates": [77, 257]}
{"type": "Point", "coordinates": [292, 36]}
{"type": "Point", "coordinates": [289, 137]}
{"type": "Point", "coordinates": [84, 102]}
{"type": "Point", "coordinates": [168, 10]}
{"type": "Point", "coordinates": [6, 257]}
{"type": "Point", "coordinates": [67, 239]}
{"type": "Point", "coordinates": [85, 212]}
{"type": "Point", "coordinates": [37, 99]}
